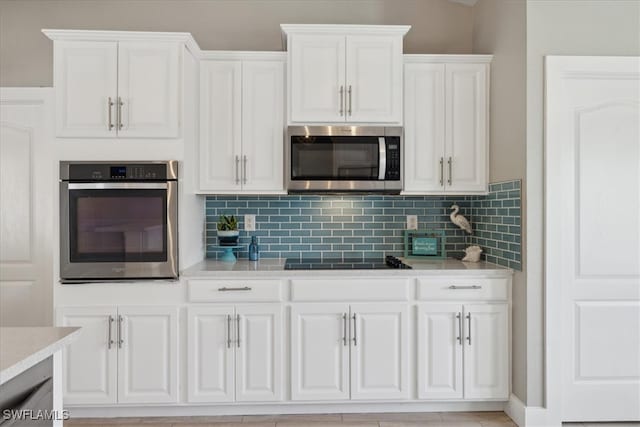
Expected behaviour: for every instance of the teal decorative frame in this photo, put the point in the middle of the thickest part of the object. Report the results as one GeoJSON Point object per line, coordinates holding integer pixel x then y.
{"type": "Point", "coordinates": [409, 235]}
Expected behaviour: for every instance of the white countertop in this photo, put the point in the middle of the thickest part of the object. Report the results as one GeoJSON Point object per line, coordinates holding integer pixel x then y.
{"type": "Point", "coordinates": [275, 268]}
{"type": "Point", "coordinates": [22, 348]}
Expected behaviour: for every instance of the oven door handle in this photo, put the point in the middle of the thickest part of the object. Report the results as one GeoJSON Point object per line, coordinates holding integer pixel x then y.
{"type": "Point", "coordinates": [382, 166]}
{"type": "Point", "coordinates": [117, 185]}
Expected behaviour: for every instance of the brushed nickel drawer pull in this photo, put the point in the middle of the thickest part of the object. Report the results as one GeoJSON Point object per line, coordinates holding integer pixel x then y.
{"type": "Point", "coordinates": [469, 330]}
{"type": "Point", "coordinates": [225, 289]}
{"type": "Point", "coordinates": [459, 337]}
{"type": "Point", "coordinates": [120, 339]}
{"type": "Point", "coordinates": [344, 329]}
{"type": "Point", "coordinates": [465, 287]}
{"type": "Point", "coordinates": [355, 330]}
{"type": "Point", "coordinates": [238, 330]}
{"type": "Point", "coordinates": [109, 108]}
{"type": "Point", "coordinates": [228, 331]}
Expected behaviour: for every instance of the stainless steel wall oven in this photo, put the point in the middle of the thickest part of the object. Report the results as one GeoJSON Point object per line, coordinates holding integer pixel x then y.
{"type": "Point", "coordinates": [118, 221]}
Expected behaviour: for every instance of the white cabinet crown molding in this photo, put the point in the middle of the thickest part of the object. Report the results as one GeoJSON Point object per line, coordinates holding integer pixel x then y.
{"type": "Point", "coordinates": [341, 29]}
{"type": "Point", "coordinates": [413, 58]}
{"type": "Point", "coordinates": [101, 35]}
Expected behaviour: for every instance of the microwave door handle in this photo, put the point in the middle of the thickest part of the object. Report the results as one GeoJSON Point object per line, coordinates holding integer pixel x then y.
{"type": "Point", "coordinates": [382, 169]}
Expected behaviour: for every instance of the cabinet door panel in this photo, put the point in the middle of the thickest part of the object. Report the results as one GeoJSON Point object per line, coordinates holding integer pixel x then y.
{"type": "Point", "coordinates": [259, 353]}
{"type": "Point", "coordinates": [466, 127]}
{"type": "Point", "coordinates": [486, 352]}
{"type": "Point", "coordinates": [86, 76]}
{"type": "Point", "coordinates": [379, 352]}
{"type": "Point", "coordinates": [262, 125]}
{"type": "Point", "coordinates": [90, 362]}
{"type": "Point", "coordinates": [147, 359]}
{"type": "Point", "coordinates": [374, 79]}
{"type": "Point", "coordinates": [424, 128]}
{"type": "Point", "coordinates": [220, 125]}
{"type": "Point", "coordinates": [317, 65]}
{"type": "Point", "coordinates": [440, 351]}
{"type": "Point", "coordinates": [319, 352]}
{"type": "Point", "coordinates": [210, 354]}
{"type": "Point", "coordinates": [148, 86]}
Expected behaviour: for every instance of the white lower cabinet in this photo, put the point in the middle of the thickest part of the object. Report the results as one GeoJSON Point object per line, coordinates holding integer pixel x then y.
{"type": "Point", "coordinates": [235, 353]}
{"type": "Point", "coordinates": [134, 347]}
{"type": "Point", "coordinates": [342, 351]}
{"type": "Point", "coordinates": [463, 351]}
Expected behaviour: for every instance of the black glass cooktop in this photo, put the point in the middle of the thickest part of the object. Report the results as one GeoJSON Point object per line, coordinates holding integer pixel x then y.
{"type": "Point", "coordinates": [343, 263]}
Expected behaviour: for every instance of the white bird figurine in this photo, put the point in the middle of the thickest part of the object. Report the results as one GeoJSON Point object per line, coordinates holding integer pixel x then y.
{"type": "Point", "coordinates": [460, 220]}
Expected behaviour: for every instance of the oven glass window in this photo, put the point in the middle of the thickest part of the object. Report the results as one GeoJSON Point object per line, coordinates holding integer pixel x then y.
{"type": "Point", "coordinates": [335, 158]}
{"type": "Point", "coordinates": [118, 225]}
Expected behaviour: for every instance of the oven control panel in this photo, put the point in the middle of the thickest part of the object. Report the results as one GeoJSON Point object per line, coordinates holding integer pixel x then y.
{"type": "Point", "coordinates": [120, 172]}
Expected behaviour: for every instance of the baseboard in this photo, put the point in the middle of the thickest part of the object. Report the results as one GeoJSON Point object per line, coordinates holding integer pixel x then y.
{"type": "Point", "coordinates": [271, 409]}
{"type": "Point", "coordinates": [528, 416]}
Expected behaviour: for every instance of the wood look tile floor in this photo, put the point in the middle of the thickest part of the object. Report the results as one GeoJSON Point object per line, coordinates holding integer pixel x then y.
{"type": "Point", "coordinates": [425, 419]}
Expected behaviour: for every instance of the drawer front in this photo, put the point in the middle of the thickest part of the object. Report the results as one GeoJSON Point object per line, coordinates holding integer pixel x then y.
{"type": "Point", "coordinates": [234, 290]}
{"type": "Point", "coordinates": [463, 288]}
{"type": "Point", "coordinates": [331, 289]}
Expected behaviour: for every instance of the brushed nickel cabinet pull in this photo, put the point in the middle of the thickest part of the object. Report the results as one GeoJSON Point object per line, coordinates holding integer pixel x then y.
{"type": "Point", "coordinates": [238, 330]}
{"type": "Point", "coordinates": [459, 338]}
{"type": "Point", "coordinates": [244, 170]}
{"type": "Point", "coordinates": [469, 328]}
{"type": "Point", "coordinates": [355, 330]}
{"type": "Point", "coordinates": [349, 91]}
{"type": "Point", "coordinates": [465, 287]}
{"type": "Point", "coordinates": [450, 170]}
{"type": "Point", "coordinates": [341, 111]}
{"type": "Point", "coordinates": [109, 109]}
{"type": "Point", "coordinates": [120, 339]}
{"type": "Point", "coordinates": [442, 171]}
{"type": "Point", "coordinates": [120, 104]}
{"type": "Point", "coordinates": [225, 289]}
{"type": "Point", "coordinates": [344, 329]}
{"type": "Point", "coordinates": [110, 338]}
{"type": "Point", "coordinates": [237, 170]}
{"type": "Point", "coordinates": [228, 331]}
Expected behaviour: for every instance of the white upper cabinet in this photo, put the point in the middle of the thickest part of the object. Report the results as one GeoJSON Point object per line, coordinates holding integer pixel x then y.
{"type": "Point", "coordinates": [446, 122]}
{"type": "Point", "coordinates": [117, 84]}
{"type": "Point", "coordinates": [345, 73]}
{"type": "Point", "coordinates": [242, 123]}
{"type": "Point", "coordinates": [148, 89]}
{"type": "Point", "coordinates": [86, 82]}
{"type": "Point", "coordinates": [317, 82]}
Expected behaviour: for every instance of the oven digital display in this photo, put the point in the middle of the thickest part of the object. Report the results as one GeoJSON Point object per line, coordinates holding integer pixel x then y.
{"type": "Point", "coordinates": [118, 172]}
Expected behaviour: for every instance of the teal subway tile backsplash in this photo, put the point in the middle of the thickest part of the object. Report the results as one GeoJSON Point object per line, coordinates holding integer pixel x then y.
{"type": "Point", "coordinates": [371, 225]}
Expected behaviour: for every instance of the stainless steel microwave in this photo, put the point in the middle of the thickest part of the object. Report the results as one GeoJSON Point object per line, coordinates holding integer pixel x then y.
{"type": "Point", "coordinates": [344, 159]}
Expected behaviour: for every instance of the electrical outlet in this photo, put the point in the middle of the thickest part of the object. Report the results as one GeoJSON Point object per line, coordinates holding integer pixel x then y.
{"type": "Point", "coordinates": [412, 222]}
{"type": "Point", "coordinates": [250, 222]}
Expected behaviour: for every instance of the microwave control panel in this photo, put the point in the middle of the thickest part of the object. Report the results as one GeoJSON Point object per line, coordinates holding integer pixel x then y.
{"type": "Point", "coordinates": [393, 158]}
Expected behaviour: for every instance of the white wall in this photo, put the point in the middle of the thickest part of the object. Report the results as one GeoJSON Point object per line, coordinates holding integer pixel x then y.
{"type": "Point", "coordinates": [561, 27]}
{"type": "Point", "coordinates": [499, 28]}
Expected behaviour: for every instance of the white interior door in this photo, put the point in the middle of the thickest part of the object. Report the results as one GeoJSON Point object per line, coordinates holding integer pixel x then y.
{"type": "Point", "coordinates": [220, 125]}
{"type": "Point", "coordinates": [148, 354]}
{"type": "Point", "coordinates": [317, 91]}
{"type": "Point", "coordinates": [259, 352]}
{"type": "Point", "coordinates": [424, 128]}
{"type": "Point", "coordinates": [86, 83]}
{"type": "Point", "coordinates": [593, 231]}
{"type": "Point", "coordinates": [379, 351]}
{"type": "Point", "coordinates": [374, 78]}
{"type": "Point", "coordinates": [149, 89]}
{"type": "Point", "coordinates": [486, 351]}
{"type": "Point", "coordinates": [319, 352]}
{"type": "Point", "coordinates": [466, 127]}
{"type": "Point", "coordinates": [26, 220]}
{"type": "Point", "coordinates": [262, 125]}
{"type": "Point", "coordinates": [440, 343]}
{"type": "Point", "coordinates": [210, 352]}
{"type": "Point", "coordinates": [90, 362]}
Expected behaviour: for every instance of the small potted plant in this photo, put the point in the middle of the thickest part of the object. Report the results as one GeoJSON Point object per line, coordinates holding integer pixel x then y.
{"type": "Point", "coordinates": [228, 230]}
